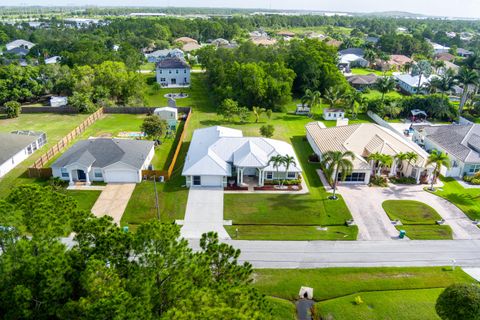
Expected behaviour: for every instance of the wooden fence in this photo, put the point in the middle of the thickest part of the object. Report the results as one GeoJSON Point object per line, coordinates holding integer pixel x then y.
{"type": "Point", "coordinates": [37, 169]}
{"type": "Point", "coordinates": [179, 145]}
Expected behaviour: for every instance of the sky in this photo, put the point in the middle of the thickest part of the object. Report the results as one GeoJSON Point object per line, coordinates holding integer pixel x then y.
{"type": "Point", "coordinates": [462, 8]}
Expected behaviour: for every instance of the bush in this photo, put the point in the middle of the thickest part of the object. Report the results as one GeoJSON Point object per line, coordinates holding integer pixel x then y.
{"type": "Point", "coordinates": [358, 300]}
{"type": "Point", "coordinates": [459, 301]}
{"type": "Point", "coordinates": [314, 158]}
{"type": "Point", "coordinates": [12, 109]}
{"type": "Point", "coordinates": [475, 179]}
{"type": "Point", "coordinates": [57, 183]}
{"type": "Point", "coordinates": [379, 181]}
{"type": "Point", "coordinates": [403, 180]}
{"type": "Point", "coordinates": [290, 182]}
{"type": "Point", "coordinates": [267, 130]}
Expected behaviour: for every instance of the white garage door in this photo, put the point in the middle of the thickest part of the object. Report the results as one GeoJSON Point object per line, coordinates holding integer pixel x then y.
{"type": "Point", "coordinates": [121, 176]}
{"type": "Point", "coordinates": [212, 181]}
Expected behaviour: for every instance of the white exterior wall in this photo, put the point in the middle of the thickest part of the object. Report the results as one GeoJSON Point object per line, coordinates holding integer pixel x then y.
{"type": "Point", "coordinates": [333, 115]}
{"type": "Point", "coordinates": [457, 167]}
{"type": "Point", "coordinates": [166, 77]}
{"type": "Point", "coordinates": [11, 163]}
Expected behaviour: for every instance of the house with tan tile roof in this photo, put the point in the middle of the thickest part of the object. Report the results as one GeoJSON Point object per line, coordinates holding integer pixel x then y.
{"type": "Point", "coordinates": [365, 139]}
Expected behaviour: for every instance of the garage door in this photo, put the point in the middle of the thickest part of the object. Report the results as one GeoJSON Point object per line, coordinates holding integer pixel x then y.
{"type": "Point", "coordinates": [212, 181]}
{"type": "Point", "coordinates": [121, 176]}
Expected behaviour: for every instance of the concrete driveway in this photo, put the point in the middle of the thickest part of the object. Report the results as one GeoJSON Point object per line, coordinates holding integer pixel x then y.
{"type": "Point", "coordinates": [365, 204]}
{"type": "Point", "coordinates": [204, 213]}
{"type": "Point", "coordinates": [113, 200]}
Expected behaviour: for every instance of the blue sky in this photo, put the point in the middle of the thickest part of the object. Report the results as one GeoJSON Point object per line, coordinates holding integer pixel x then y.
{"type": "Point", "coordinates": [462, 8]}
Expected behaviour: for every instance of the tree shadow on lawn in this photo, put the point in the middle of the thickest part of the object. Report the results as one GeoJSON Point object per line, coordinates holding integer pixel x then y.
{"type": "Point", "coordinates": [461, 198]}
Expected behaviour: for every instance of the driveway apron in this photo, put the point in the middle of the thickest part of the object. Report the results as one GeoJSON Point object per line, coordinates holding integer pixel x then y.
{"type": "Point", "coordinates": [113, 200]}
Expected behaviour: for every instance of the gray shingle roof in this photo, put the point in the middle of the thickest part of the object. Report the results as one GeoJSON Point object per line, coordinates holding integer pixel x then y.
{"type": "Point", "coordinates": [11, 144]}
{"type": "Point", "coordinates": [104, 152]}
{"type": "Point", "coordinates": [173, 63]}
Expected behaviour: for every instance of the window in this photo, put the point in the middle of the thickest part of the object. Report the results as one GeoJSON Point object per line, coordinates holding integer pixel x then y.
{"type": "Point", "coordinates": [269, 175]}
{"type": "Point", "coordinates": [176, 71]}
{"type": "Point", "coordinates": [185, 80]}
{"type": "Point", "coordinates": [160, 71]}
{"type": "Point", "coordinates": [170, 71]}
{"type": "Point", "coordinates": [184, 70]}
{"type": "Point", "coordinates": [98, 173]}
{"type": "Point", "coordinates": [329, 114]}
{"type": "Point", "coordinates": [197, 180]}
{"type": "Point", "coordinates": [162, 80]}
{"type": "Point", "coordinates": [291, 175]}
{"type": "Point", "coordinates": [474, 168]}
{"type": "Point", "coordinates": [354, 177]}
{"type": "Point", "coordinates": [64, 172]}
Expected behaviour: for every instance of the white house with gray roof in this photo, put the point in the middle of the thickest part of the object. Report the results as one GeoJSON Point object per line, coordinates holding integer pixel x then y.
{"type": "Point", "coordinates": [18, 146]}
{"type": "Point", "coordinates": [460, 142]}
{"type": "Point", "coordinates": [220, 155]}
{"type": "Point", "coordinates": [173, 72]}
{"type": "Point", "coordinates": [108, 160]}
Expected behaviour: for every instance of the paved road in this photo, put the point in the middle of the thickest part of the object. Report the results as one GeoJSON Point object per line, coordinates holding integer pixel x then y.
{"type": "Point", "coordinates": [320, 254]}
{"type": "Point", "coordinates": [204, 213]}
{"type": "Point", "coordinates": [113, 200]}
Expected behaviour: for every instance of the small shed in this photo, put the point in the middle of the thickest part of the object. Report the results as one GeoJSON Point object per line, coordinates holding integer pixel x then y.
{"type": "Point", "coordinates": [168, 114]}
{"type": "Point", "coordinates": [302, 109]}
{"type": "Point", "coordinates": [58, 101]}
{"type": "Point", "coordinates": [333, 114]}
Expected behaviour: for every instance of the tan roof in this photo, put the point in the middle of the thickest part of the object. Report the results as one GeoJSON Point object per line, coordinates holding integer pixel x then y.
{"type": "Point", "coordinates": [264, 41]}
{"type": "Point", "coordinates": [186, 40]}
{"type": "Point", "coordinates": [286, 33]}
{"type": "Point", "coordinates": [362, 139]}
{"type": "Point", "coordinates": [334, 43]}
{"type": "Point", "coordinates": [445, 56]}
{"type": "Point", "coordinates": [187, 47]}
{"type": "Point", "coordinates": [399, 59]}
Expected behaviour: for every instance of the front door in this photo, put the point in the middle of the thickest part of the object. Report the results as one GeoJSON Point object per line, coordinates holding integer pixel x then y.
{"type": "Point", "coordinates": [173, 81]}
{"type": "Point", "coordinates": [81, 175]}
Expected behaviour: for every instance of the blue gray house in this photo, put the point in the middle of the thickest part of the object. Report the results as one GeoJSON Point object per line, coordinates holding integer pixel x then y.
{"type": "Point", "coordinates": [173, 72]}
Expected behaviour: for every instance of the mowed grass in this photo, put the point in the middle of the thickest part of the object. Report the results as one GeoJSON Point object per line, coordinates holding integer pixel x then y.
{"type": "Point", "coordinates": [85, 198]}
{"type": "Point", "coordinates": [304, 211]}
{"type": "Point", "coordinates": [282, 309]}
{"type": "Point", "coordinates": [289, 232]}
{"type": "Point", "coordinates": [375, 94]}
{"type": "Point", "coordinates": [55, 125]}
{"type": "Point", "coordinates": [395, 305]}
{"type": "Point", "coordinates": [330, 283]}
{"type": "Point", "coordinates": [467, 200]}
{"type": "Point", "coordinates": [365, 71]}
{"type": "Point", "coordinates": [418, 219]}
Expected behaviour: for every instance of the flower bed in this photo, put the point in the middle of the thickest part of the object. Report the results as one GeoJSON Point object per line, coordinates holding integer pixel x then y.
{"type": "Point", "coordinates": [295, 187]}
{"type": "Point", "coordinates": [235, 188]}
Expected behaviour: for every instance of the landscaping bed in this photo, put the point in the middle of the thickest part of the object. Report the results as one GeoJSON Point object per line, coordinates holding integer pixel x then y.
{"type": "Point", "coordinates": [277, 188]}
{"type": "Point", "coordinates": [418, 220]}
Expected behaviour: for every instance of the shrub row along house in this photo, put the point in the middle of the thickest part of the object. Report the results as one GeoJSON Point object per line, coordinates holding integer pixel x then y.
{"type": "Point", "coordinates": [219, 154]}
{"type": "Point", "coordinates": [460, 142]}
{"type": "Point", "coordinates": [363, 140]}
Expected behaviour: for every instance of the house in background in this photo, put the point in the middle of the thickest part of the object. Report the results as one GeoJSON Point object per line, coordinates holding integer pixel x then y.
{"type": "Point", "coordinates": [161, 55]}
{"type": "Point", "coordinates": [409, 84]}
{"type": "Point", "coordinates": [460, 142]}
{"type": "Point", "coordinates": [333, 114]}
{"type": "Point", "coordinates": [219, 154]}
{"type": "Point", "coordinates": [58, 101]}
{"type": "Point", "coordinates": [188, 44]}
{"type": "Point", "coordinates": [445, 56]}
{"type": "Point", "coordinates": [362, 82]}
{"type": "Point", "coordinates": [53, 60]}
{"type": "Point", "coordinates": [173, 72]}
{"type": "Point", "coordinates": [351, 58]}
{"type": "Point", "coordinates": [464, 53]}
{"type": "Point", "coordinates": [398, 61]}
{"type": "Point", "coordinates": [18, 146]}
{"type": "Point", "coordinates": [363, 140]}
{"type": "Point", "coordinates": [108, 160]}
{"type": "Point", "coordinates": [169, 114]}
{"type": "Point", "coordinates": [438, 48]}
{"type": "Point", "coordinates": [20, 43]}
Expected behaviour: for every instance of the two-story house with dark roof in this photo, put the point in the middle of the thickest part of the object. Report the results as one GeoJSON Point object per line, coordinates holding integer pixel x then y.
{"type": "Point", "coordinates": [173, 72]}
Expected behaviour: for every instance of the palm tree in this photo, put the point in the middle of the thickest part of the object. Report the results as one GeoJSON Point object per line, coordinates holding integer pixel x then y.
{"type": "Point", "coordinates": [338, 162]}
{"type": "Point", "coordinates": [385, 85]}
{"type": "Point", "coordinates": [369, 55]}
{"type": "Point", "coordinates": [407, 67]}
{"type": "Point", "coordinates": [422, 68]}
{"type": "Point", "coordinates": [380, 161]}
{"type": "Point", "coordinates": [386, 161]}
{"type": "Point", "coordinates": [438, 159]}
{"type": "Point", "coordinates": [392, 109]}
{"type": "Point", "coordinates": [312, 99]}
{"type": "Point", "coordinates": [401, 157]}
{"type": "Point", "coordinates": [437, 64]}
{"type": "Point", "coordinates": [444, 83]}
{"type": "Point", "coordinates": [257, 112]}
{"type": "Point", "coordinates": [332, 96]}
{"type": "Point", "coordinates": [276, 162]}
{"type": "Point", "coordinates": [411, 158]}
{"type": "Point", "coordinates": [288, 161]}
{"type": "Point", "coordinates": [468, 78]}
{"type": "Point", "coordinates": [354, 97]}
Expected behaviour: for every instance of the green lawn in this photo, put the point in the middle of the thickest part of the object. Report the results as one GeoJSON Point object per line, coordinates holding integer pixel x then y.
{"type": "Point", "coordinates": [364, 71]}
{"type": "Point", "coordinates": [418, 219]}
{"type": "Point", "coordinates": [467, 200]}
{"type": "Point", "coordinates": [150, 66]}
{"type": "Point", "coordinates": [85, 199]}
{"type": "Point", "coordinates": [330, 283]}
{"type": "Point", "coordinates": [55, 125]}
{"type": "Point", "coordinates": [303, 211]}
{"type": "Point", "coordinates": [395, 305]}
{"type": "Point", "coordinates": [282, 309]}
{"type": "Point", "coordinates": [410, 212]}
{"type": "Point", "coordinates": [374, 94]}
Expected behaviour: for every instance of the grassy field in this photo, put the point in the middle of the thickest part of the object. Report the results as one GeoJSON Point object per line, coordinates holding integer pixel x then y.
{"type": "Point", "coordinates": [374, 94]}
{"type": "Point", "coordinates": [364, 71]}
{"type": "Point", "coordinates": [387, 293]}
{"type": "Point", "coordinates": [467, 200]}
{"type": "Point", "coordinates": [55, 125]}
{"type": "Point", "coordinates": [85, 199]}
{"type": "Point", "coordinates": [291, 232]}
{"type": "Point", "coordinates": [418, 219]}
{"type": "Point", "coordinates": [404, 304]}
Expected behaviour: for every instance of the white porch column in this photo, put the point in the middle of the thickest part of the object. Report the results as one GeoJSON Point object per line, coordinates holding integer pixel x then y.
{"type": "Point", "coordinates": [238, 176]}
{"type": "Point", "coordinates": [393, 169]}
{"type": "Point", "coordinates": [260, 177]}
{"type": "Point", "coordinates": [70, 176]}
{"type": "Point", "coordinates": [87, 178]}
{"type": "Point", "coordinates": [418, 173]}
{"type": "Point", "coordinates": [241, 175]}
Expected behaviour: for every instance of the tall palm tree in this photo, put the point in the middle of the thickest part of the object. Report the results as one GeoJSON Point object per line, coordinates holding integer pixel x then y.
{"type": "Point", "coordinates": [338, 162]}
{"type": "Point", "coordinates": [401, 157]}
{"type": "Point", "coordinates": [257, 112]}
{"type": "Point", "coordinates": [386, 161]}
{"type": "Point", "coordinates": [392, 108]}
{"type": "Point", "coordinates": [288, 161]}
{"type": "Point", "coordinates": [468, 78]}
{"type": "Point", "coordinates": [422, 68]}
{"type": "Point", "coordinates": [444, 83]}
{"type": "Point", "coordinates": [370, 56]}
{"type": "Point", "coordinates": [385, 85]}
{"type": "Point", "coordinates": [354, 97]}
{"type": "Point", "coordinates": [276, 162]}
{"type": "Point", "coordinates": [312, 99]}
{"type": "Point", "coordinates": [381, 161]}
{"type": "Point", "coordinates": [332, 96]}
{"type": "Point", "coordinates": [438, 159]}
{"type": "Point", "coordinates": [411, 157]}
{"type": "Point", "coordinates": [438, 64]}
{"type": "Point", "coordinates": [407, 67]}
